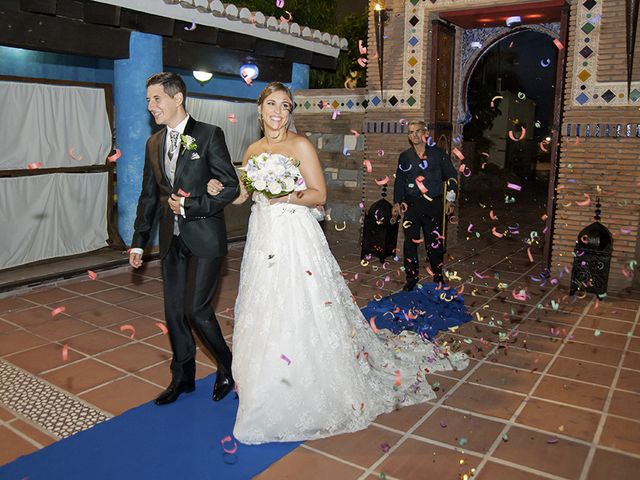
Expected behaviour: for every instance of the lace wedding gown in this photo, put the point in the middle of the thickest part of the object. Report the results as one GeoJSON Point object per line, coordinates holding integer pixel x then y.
{"type": "Point", "coordinates": [307, 363]}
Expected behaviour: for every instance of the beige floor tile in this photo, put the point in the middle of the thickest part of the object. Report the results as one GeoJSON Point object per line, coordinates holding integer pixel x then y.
{"type": "Point", "coordinates": [144, 305]}
{"type": "Point", "coordinates": [415, 460]}
{"type": "Point", "coordinates": [43, 358]}
{"type": "Point", "coordinates": [621, 434]}
{"type": "Point", "coordinates": [145, 327]}
{"type": "Point", "coordinates": [77, 305]}
{"type": "Point", "coordinates": [559, 419]}
{"type": "Point", "coordinates": [110, 397]}
{"type": "Point", "coordinates": [572, 393]}
{"type": "Point", "coordinates": [361, 448]}
{"type": "Point", "coordinates": [532, 449]}
{"type": "Point", "coordinates": [477, 399]}
{"type": "Point", "coordinates": [81, 376]}
{"type": "Point", "coordinates": [49, 295]}
{"type": "Point", "coordinates": [495, 471]}
{"type": "Point", "coordinates": [87, 287]}
{"type": "Point", "coordinates": [107, 315]}
{"type": "Point", "coordinates": [506, 378]}
{"type": "Point", "coordinates": [314, 465]}
{"type": "Point", "coordinates": [465, 431]}
{"type": "Point", "coordinates": [134, 356]}
{"type": "Point", "coordinates": [18, 340]}
{"type": "Point", "coordinates": [96, 342]}
{"type": "Point", "coordinates": [116, 295]}
{"type": "Point", "coordinates": [13, 446]}
{"type": "Point", "coordinates": [609, 466]}
{"type": "Point", "coordinates": [12, 304]}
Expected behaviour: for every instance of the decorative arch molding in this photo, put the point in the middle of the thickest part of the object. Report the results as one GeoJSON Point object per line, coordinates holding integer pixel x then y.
{"type": "Point", "coordinates": [488, 37]}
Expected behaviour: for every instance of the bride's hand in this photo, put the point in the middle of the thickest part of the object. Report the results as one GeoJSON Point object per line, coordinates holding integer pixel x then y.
{"type": "Point", "coordinates": [214, 187]}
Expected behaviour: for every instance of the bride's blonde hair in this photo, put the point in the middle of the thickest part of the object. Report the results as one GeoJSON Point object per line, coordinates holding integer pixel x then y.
{"type": "Point", "coordinates": [268, 90]}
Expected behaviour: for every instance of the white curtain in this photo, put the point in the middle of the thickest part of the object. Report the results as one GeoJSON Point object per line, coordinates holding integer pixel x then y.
{"type": "Point", "coordinates": [48, 216]}
{"type": "Point", "coordinates": [240, 133]}
{"type": "Point", "coordinates": [44, 123]}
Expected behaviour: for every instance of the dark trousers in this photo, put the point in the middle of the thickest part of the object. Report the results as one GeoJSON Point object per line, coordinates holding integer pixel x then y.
{"type": "Point", "coordinates": [426, 217]}
{"type": "Point", "coordinates": [189, 286]}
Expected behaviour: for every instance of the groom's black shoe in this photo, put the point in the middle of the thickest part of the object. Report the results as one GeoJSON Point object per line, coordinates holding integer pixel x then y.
{"type": "Point", "coordinates": [224, 384]}
{"type": "Point", "coordinates": [173, 391]}
{"type": "Point", "coordinates": [410, 285]}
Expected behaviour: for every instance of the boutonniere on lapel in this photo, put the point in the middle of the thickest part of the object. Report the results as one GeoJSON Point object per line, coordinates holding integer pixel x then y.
{"type": "Point", "coordinates": [189, 143]}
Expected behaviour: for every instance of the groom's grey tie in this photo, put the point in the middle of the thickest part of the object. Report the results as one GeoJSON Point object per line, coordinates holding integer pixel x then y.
{"type": "Point", "coordinates": [170, 167]}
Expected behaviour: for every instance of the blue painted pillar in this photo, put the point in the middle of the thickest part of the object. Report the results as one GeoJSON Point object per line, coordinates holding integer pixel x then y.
{"type": "Point", "coordinates": [133, 122]}
{"type": "Point", "coordinates": [299, 76]}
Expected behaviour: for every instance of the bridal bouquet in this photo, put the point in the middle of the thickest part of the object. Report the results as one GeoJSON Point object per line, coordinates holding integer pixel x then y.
{"type": "Point", "coordinates": [273, 175]}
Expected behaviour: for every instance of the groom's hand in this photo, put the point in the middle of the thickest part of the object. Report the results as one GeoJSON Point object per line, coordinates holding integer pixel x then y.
{"type": "Point", "coordinates": [174, 204]}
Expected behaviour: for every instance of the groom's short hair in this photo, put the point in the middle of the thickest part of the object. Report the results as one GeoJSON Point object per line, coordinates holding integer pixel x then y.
{"type": "Point", "coordinates": [171, 82]}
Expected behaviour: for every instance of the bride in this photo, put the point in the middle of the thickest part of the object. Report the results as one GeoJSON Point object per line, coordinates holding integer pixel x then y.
{"type": "Point", "coordinates": [306, 362]}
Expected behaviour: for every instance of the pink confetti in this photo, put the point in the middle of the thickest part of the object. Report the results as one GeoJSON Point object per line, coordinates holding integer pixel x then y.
{"type": "Point", "coordinates": [228, 439]}
{"type": "Point", "coordinates": [335, 114]}
{"type": "Point", "coordinates": [57, 311]}
{"type": "Point", "coordinates": [286, 359]}
{"type": "Point", "coordinates": [552, 440]}
{"type": "Point", "coordinates": [232, 118]}
{"type": "Point", "coordinates": [92, 275]}
{"type": "Point", "coordinates": [457, 153]}
{"type": "Point", "coordinates": [372, 322]}
{"type": "Point", "coordinates": [522, 134]}
{"type": "Point", "coordinates": [420, 184]}
{"type": "Point", "coordinates": [115, 156]}
{"type": "Point", "coordinates": [357, 134]}
{"type": "Point", "coordinates": [470, 227]}
{"type": "Point", "coordinates": [385, 447]}
{"type": "Point", "coordinates": [129, 328]}
{"type": "Point", "coordinates": [492, 215]}
{"type": "Point", "coordinates": [279, 3]}
{"type": "Point", "coordinates": [184, 194]}
{"type": "Point", "coordinates": [382, 181]}
{"type": "Point", "coordinates": [162, 327]}
{"type": "Point", "coordinates": [286, 19]}
{"type": "Point", "coordinates": [443, 423]}
{"type": "Point", "coordinates": [381, 153]}
{"type": "Point", "coordinates": [362, 62]}
{"type": "Point", "coordinates": [367, 165]}
{"type": "Point", "coordinates": [398, 380]}
{"type": "Point", "coordinates": [495, 233]}
{"type": "Point", "coordinates": [558, 44]}
{"type": "Point", "coordinates": [586, 202]}
{"type": "Point", "coordinates": [529, 254]}
{"type": "Point", "coordinates": [65, 352]}
{"type": "Point", "coordinates": [514, 186]}
{"type": "Point", "coordinates": [78, 158]}
{"type": "Point", "coordinates": [34, 165]}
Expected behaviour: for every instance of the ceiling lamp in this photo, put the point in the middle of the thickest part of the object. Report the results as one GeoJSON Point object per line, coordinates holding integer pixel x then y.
{"type": "Point", "coordinates": [202, 77]}
{"type": "Point", "coordinates": [249, 72]}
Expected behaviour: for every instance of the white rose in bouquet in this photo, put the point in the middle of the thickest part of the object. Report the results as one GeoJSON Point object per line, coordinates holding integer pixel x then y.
{"type": "Point", "coordinates": [259, 185]}
{"type": "Point", "coordinates": [289, 184]}
{"type": "Point", "coordinates": [272, 175]}
{"type": "Point", "coordinates": [275, 188]}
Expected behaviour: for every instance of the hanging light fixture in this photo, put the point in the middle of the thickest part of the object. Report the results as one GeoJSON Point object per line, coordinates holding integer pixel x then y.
{"type": "Point", "coordinates": [202, 76]}
{"type": "Point", "coordinates": [379, 17]}
{"type": "Point", "coordinates": [249, 72]}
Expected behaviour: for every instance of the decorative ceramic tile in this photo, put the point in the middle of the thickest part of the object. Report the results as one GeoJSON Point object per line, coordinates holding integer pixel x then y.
{"type": "Point", "coordinates": [585, 88]}
{"type": "Point", "coordinates": [56, 411]}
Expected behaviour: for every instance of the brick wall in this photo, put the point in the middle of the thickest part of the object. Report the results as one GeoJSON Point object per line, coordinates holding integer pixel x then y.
{"type": "Point", "coordinates": [612, 53]}
{"type": "Point", "coordinates": [608, 164]}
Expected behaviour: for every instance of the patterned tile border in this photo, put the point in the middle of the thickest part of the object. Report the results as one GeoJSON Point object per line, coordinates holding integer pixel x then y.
{"type": "Point", "coordinates": [51, 408]}
{"type": "Point", "coordinates": [603, 129]}
{"type": "Point", "coordinates": [586, 90]}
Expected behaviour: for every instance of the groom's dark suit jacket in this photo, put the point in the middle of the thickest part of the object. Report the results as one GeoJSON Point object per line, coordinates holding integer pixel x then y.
{"type": "Point", "coordinates": [203, 229]}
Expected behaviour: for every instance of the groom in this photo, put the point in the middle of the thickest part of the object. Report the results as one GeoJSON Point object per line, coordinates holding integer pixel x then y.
{"type": "Point", "coordinates": [178, 162]}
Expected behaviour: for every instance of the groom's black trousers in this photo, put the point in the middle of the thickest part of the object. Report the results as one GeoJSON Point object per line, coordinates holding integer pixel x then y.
{"type": "Point", "coordinates": [189, 286]}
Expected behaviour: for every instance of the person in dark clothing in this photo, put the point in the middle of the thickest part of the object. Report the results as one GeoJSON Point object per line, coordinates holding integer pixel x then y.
{"type": "Point", "coordinates": [423, 174]}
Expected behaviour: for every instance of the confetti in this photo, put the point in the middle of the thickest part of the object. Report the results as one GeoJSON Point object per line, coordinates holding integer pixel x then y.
{"type": "Point", "coordinates": [57, 311]}
{"type": "Point", "coordinates": [443, 423]}
{"type": "Point", "coordinates": [335, 114]}
{"type": "Point", "coordinates": [558, 44]}
{"type": "Point", "coordinates": [372, 322]}
{"type": "Point", "coordinates": [339, 229]}
{"type": "Point", "coordinates": [232, 118]}
{"type": "Point", "coordinates": [514, 186]}
{"type": "Point", "coordinates": [129, 328]}
{"type": "Point", "coordinates": [279, 3]}
{"type": "Point", "coordinates": [552, 440]}
{"type": "Point", "coordinates": [34, 165]}
{"type": "Point", "coordinates": [457, 153]}
{"type": "Point", "coordinates": [586, 202]}
{"type": "Point", "coordinates": [345, 151]}
{"type": "Point", "coordinates": [362, 62]}
{"type": "Point", "coordinates": [115, 156]}
{"type": "Point", "coordinates": [529, 254]}
{"type": "Point", "coordinates": [495, 233]}
{"type": "Point", "coordinates": [65, 352]}
{"type": "Point", "coordinates": [286, 19]}
{"type": "Point", "coordinates": [381, 153]}
{"type": "Point", "coordinates": [228, 439]}
{"type": "Point", "coordinates": [78, 158]}
{"type": "Point", "coordinates": [184, 194]}
{"type": "Point", "coordinates": [385, 447]}
{"type": "Point", "coordinates": [545, 62]}
{"type": "Point", "coordinates": [382, 181]}
{"type": "Point", "coordinates": [162, 327]}
{"type": "Point", "coordinates": [492, 215]}
{"type": "Point", "coordinates": [92, 275]}
{"type": "Point", "coordinates": [308, 272]}
{"type": "Point", "coordinates": [286, 359]}
{"type": "Point", "coordinates": [596, 333]}
{"type": "Point", "coordinates": [357, 134]}
{"type": "Point", "coordinates": [367, 165]}
{"type": "Point", "coordinates": [522, 134]}
{"type": "Point", "coordinates": [192, 27]}
{"type": "Point", "coordinates": [398, 380]}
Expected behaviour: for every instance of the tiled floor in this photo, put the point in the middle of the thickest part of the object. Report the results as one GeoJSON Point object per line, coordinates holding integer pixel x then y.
{"type": "Point", "coordinates": [552, 390]}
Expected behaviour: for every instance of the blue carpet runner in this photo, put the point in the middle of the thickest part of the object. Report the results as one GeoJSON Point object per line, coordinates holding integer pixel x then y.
{"type": "Point", "coordinates": [184, 440]}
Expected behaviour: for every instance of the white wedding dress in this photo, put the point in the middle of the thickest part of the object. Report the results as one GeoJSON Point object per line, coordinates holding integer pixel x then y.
{"type": "Point", "coordinates": [307, 363]}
